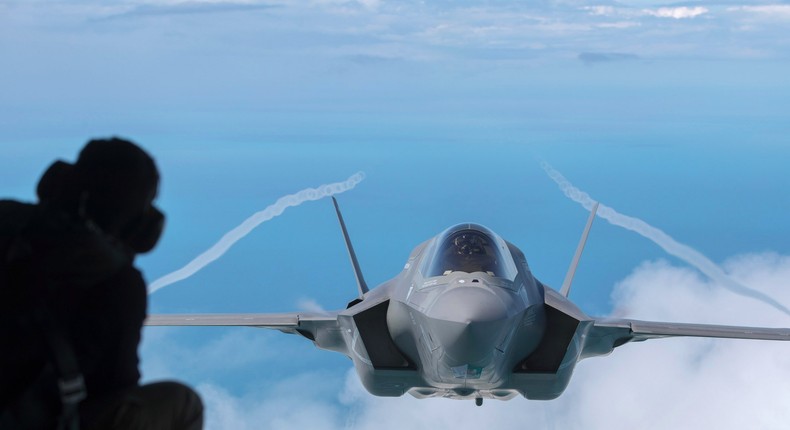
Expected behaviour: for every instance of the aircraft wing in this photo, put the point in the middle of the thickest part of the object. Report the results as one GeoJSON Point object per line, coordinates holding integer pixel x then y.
{"type": "Point", "coordinates": [642, 330]}
{"type": "Point", "coordinates": [320, 327]}
{"type": "Point", "coordinates": [248, 320]}
{"type": "Point", "coordinates": [606, 334]}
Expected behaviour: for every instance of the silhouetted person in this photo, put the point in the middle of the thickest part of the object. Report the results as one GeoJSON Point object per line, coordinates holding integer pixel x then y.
{"type": "Point", "coordinates": [72, 304]}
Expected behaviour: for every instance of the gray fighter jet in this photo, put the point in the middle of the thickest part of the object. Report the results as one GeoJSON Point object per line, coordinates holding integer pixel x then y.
{"type": "Point", "coordinates": [466, 319]}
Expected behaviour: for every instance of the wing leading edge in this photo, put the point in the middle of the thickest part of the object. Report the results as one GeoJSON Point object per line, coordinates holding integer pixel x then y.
{"type": "Point", "coordinates": [276, 321]}
{"type": "Point", "coordinates": [321, 328]}
{"type": "Point", "coordinates": [643, 330]}
{"type": "Point", "coordinates": [607, 334]}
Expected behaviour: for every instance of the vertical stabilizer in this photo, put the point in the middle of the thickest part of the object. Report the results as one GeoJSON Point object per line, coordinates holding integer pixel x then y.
{"type": "Point", "coordinates": [363, 287]}
{"type": "Point", "coordinates": [566, 285]}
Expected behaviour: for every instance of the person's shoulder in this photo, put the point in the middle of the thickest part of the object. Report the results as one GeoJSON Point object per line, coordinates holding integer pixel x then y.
{"type": "Point", "coordinates": [12, 204]}
{"type": "Point", "coordinates": [125, 291]}
{"type": "Point", "coordinates": [14, 218]}
{"type": "Point", "coordinates": [14, 213]}
{"type": "Point", "coordinates": [129, 280]}
{"type": "Point", "coordinates": [128, 273]}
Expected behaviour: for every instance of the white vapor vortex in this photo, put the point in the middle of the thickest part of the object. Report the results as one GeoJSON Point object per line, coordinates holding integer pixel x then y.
{"type": "Point", "coordinates": [667, 243]}
{"type": "Point", "coordinates": [233, 236]}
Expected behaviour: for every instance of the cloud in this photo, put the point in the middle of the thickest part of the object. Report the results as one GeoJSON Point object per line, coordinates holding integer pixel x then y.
{"type": "Point", "coordinates": [618, 24]}
{"type": "Point", "coordinates": [665, 383]}
{"type": "Point", "coordinates": [305, 401]}
{"type": "Point", "coordinates": [309, 305]}
{"type": "Point", "coordinates": [682, 12]}
{"type": "Point", "coordinates": [676, 12]}
{"type": "Point", "coordinates": [299, 37]}
{"type": "Point", "coordinates": [590, 58]}
{"type": "Point", "coordinates": [693, 383]}
{"type": "Point", "coordinates": [773, 11]}
{"type": "Point", "coordinates": [234, 349]}
{"type": "Point", "coordinates": [189, 8]}
{"type": "Point", "coordinates": [602, 10]}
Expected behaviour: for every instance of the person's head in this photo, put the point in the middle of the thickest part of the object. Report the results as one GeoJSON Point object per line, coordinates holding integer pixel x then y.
{"type": "Point", "coordinates": [112, 185]}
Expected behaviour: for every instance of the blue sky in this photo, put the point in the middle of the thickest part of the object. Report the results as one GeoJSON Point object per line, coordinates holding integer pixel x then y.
{"type": "Point", "coordinates": [675, 113]}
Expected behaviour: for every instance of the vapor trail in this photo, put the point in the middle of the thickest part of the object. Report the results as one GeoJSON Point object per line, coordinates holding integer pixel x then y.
{"type": "Point", "coordinates": [667, 243]}
{"type": "Point", "coordinates": [250, 223]}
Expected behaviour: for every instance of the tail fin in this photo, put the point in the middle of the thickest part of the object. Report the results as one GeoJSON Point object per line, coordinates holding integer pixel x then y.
{"type": "Point", "coordinates": [363, 287]}
{"type": "Point", "coordinates": [566, 284]}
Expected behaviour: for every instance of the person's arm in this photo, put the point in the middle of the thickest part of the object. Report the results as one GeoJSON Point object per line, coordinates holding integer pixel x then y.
{"type": "Point", "coordinates": [107, 333]}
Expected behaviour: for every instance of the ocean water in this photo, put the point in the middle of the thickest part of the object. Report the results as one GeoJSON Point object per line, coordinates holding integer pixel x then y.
{"type": "Point", "coordinates": [702, 156]}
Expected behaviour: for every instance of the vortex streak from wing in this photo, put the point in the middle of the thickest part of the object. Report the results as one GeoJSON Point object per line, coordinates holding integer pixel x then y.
{"type": "Point", "coordinates": [233, 236]}
{"type": "Point", "coordinates": [666, 242]}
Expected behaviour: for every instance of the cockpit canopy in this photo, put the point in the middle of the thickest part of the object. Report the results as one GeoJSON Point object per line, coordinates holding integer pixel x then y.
{"type": "Point", "coordinates": [469, 248]}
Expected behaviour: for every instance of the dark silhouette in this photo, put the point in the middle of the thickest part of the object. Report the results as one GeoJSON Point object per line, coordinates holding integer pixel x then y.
{"type": "Point", "coordinates": [72, 304]}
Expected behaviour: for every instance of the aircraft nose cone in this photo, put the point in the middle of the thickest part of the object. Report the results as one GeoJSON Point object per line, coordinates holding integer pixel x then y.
{"type": "Point", "coordinates": [468, 304]}
{"type": "Point", "coordinates": [468, 323]}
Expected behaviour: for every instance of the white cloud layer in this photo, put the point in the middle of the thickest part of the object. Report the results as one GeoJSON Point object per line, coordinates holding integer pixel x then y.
{"type": "Point", "coordinates": [667, 383]}
{"type": "Point", "coordinates": [773, 11]}
{"type": "Point", "coordinates": [306, 36]}
{"type": "Point", "coordinates": [681, 12]}
{"type": "Point", "coordinates": [309, 305]}
{"type": "Point", "coordinates": [676, 12]}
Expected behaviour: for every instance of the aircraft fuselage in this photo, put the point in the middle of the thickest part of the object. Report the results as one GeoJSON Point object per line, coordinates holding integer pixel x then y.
{"type": "Point", "coordinates": [438, 330]}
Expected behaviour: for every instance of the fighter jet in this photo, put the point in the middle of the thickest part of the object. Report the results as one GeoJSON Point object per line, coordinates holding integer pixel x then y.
{"type": "Point", "coordinates": [466, 319]}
